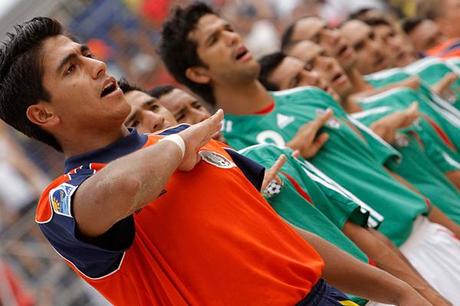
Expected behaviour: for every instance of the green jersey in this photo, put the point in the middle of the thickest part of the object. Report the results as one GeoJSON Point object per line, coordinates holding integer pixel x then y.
{"type": "Point", "coordinates": [423, 163]}
{"type": "Point", "coordinates": [431, 70]}
{"type": "Point", "coordinates": [346, 156]}
{"type": "Point", "coordinates": [442, 125]}
{"type": "Point", "coordinates": [309, 202]}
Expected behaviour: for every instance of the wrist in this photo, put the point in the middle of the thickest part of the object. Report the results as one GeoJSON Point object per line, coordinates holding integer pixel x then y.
{"type": "Point", "coordinates": [178, 141]}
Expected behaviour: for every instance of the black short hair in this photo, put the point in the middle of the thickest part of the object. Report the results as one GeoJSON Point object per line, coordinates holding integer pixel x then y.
{"type": "Point", "coordinates": [286, 38]}
{"type": "Point", "coordinates": [159, 91]}
{"type": "Point", "coordinates": [360, 14]}
{"type": "Point", "coordinates": [409, 24]}
{"type": "Point", "coordinates": [178, 51]}
{"type": "Point", "coordinates": [126, 87]}
{"type": "Point", "coordinates": [376, 21]}
{"type": "Point", "coordinates": [268, 64]}
{"type": "Point", "coordinates": [21, 76]}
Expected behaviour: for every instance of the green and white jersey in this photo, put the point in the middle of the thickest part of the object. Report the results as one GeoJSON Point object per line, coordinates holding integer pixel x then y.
{"type": "Point", "coordinates": [431, 70]}
{"type": "Point", "coordinates": [423, 163]}
{"type": "Point", "coordinates": [391, 76]}
{"type": "Point", "coordinates": [346, 156]}
{"type": "Point", "coordinates": [301, 187]}
{"type": "Point", "coordinates": [443, 126]}
{"type": "Point", "coordinates": [304, 196]}
{"type": "Point", "coordinates": [386, 77]}
{"type": "Point", "coordinates": [454, 64]}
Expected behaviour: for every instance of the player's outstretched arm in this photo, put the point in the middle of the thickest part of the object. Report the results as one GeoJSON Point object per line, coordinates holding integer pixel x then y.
{"type": "Point", "coordinates": [390, 259]}
{"type": "Point", "coordinates": [131, 182]}
{"type": "Point", "coordinates": [352, 276]}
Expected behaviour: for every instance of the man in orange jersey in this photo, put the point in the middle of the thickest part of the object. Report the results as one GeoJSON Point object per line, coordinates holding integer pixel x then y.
{"type": "Point", "coordinates": [160, 220]}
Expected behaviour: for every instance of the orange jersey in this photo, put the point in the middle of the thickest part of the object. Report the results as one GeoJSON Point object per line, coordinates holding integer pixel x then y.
{"type": "Point", "coordinates": [211, 239]}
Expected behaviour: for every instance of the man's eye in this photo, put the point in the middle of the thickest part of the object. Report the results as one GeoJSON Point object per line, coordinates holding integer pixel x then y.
{"type": "Point", "coordinates": [70, 69]}
{"type": "Point", "coordinates": [154, 108]}
{"type": "Point", "coordinates": [308, 66]}
{"type": "Point", "coordinates": [90, 55]}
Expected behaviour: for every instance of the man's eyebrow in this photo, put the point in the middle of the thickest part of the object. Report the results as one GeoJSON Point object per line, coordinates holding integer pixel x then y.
{"type": "Point", "coordinates": [71, 56]}
{"type": "Point", "coordinates": [215, 32]}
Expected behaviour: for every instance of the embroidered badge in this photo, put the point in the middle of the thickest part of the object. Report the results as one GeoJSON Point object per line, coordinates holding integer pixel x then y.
{"type": "Point", "coordinates": [60, 198]}
{"type": "Point", "coordinates": [216, 159]}
{"type": "Point", "coordinates": [401, 140]}
{"type": "Point", "coordinates": [273, 189]}
{"type": "Point", "coordinates": [332, 123]}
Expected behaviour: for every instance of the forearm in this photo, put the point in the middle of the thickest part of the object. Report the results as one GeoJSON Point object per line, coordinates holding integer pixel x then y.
{"type": "Point", "coordinates": [389, 259]}
{"type": "Point", "coordinates": [352, 276]}
{"type": "Point", "coordinates": [454, 177]}
{"type": "Point", "coordinates": [124, 186]}
{"type": "Point", "coordinates": [437, 216]}
{"type": "Point", "coordinates": [403, 181]}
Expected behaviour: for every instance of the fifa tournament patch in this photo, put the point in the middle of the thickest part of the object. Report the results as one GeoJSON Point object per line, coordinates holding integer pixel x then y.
{"type": "Point", "coordinates": [60, 198]}
{"type": "Point", "coordinates": [216, 159]}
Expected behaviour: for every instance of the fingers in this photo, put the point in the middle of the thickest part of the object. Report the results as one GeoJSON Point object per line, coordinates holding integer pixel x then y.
{"type": "Point", "coordinates": [315, 146]}
{"type": "Point", "coordinates": [322, 119]}
{"type": "Point", "coordinates": [319, 142]}
{"type": "Point", "coordinates": [295, 154]}
{"type": "Point", "coordinates": [272, 173]}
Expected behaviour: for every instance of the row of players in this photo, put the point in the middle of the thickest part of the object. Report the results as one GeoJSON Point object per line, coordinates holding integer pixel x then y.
{"type": "Point", "coordinates": [131, 225]}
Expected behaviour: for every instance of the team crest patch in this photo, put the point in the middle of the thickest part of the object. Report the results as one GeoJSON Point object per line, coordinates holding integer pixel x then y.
{"type": "Point", "coordinates": [60, 199]}
{"type": "Point", "coordinates": [332, 123]}
{"type": "Point", "coordinates": [216, 159]}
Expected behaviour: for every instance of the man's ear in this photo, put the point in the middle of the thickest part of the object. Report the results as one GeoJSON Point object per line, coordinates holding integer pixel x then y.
{"type": "Point", "coordinates": [42, 114]}
{"type": "Point", "coordinates": [198, 75]}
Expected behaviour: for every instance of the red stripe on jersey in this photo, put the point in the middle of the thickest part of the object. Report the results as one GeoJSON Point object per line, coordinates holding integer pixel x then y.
{"type": "Point", "coordinates": [266, 110]}
{"type": "Point", "coordinates": [441, 133]}
{"type": "Point", "coordinates": [298, 188]}
{"type": "Point", "coordinates": [417, 137]}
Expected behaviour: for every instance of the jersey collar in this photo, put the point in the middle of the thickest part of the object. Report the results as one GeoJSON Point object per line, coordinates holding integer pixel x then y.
{"type": "Point", "coordinates": [128, 144]}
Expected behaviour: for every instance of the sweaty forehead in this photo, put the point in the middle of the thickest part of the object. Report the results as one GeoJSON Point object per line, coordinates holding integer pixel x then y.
{"type": "Point", "coordinates": [176, 99]}
{"type": "Point", "coordinates": [137, 99]}
{"type": "Point", "coordinates": [307, 27]}
{"type": "Point", "coordinates": [287, 69]}
{"type": "Point", "coordinates": [205, 27]}
{"type": "Point", "coordinates": [305, 50]}
{"type": "Point", "coordinates": [355, 31]}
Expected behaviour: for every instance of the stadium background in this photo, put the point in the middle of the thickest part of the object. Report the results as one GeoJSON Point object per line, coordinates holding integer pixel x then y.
{"type": "Point", "coordinates": [124, 34]}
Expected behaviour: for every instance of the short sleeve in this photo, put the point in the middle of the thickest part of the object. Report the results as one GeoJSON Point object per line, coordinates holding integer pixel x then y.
{"type": "Point", "coordinates": [94, 257]}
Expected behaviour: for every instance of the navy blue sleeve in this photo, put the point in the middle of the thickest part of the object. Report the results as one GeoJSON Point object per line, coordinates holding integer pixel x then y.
{"type": "Point", "coordinates": [253, 171]}
{"type": "Point", "coordinates": [94, 257]}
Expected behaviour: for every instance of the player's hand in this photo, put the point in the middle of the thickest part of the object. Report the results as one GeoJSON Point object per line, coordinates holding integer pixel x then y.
{"type": "Point", "coordinates": [442, 88]}
{"type": "Point", "coordinates": [306, 140]}
{"type": "Point", "coordinates": [412, 82]}
{"type": "Point", "coordinates": [197, 136]}
{"type": "Point", "coordinates": [272, 173]}
{"type": "Point", "coordinates": [388, 126]}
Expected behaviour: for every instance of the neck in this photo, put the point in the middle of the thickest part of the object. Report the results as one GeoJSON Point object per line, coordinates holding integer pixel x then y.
{"type": "Point", "coordinates": [357, 81]}
{"type": "Point", "coordinates": [243, 98]}
{"type": "Point", "coordinates": [350, 106]}
{"type": "Point", "coordinates": [94, 141]}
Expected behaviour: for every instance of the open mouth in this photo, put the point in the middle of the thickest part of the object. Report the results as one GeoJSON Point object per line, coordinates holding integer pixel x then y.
{"type": "Point", "coordinates": [109, 88]}
{"type": "Point", "coordinates": [336, 77]}
{"type": "Point", "coordinates": [380, 60]}
{"type": "Point", "coordinates": [241, 52]}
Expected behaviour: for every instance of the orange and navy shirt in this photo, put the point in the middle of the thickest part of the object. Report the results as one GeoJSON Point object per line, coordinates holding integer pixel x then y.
{"type": "Point", "coordinates": [210, 239]}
